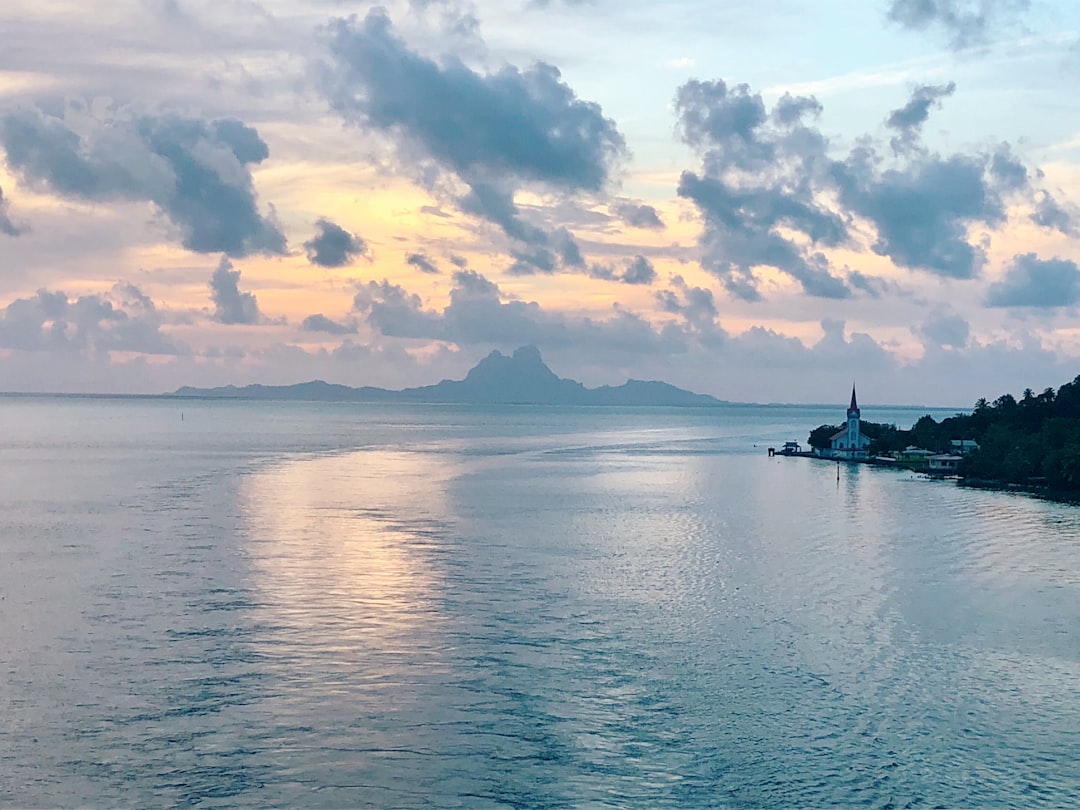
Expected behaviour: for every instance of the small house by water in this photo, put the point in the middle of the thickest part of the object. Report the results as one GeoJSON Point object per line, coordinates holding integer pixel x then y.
{"type": "Point", "coordinates": [944, 463]}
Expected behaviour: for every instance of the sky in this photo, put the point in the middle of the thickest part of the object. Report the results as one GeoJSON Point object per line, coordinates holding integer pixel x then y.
{"type": "Point", "coordinates": [763, 201]}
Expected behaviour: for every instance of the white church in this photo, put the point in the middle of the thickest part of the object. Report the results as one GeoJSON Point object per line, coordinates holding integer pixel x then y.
{"type": "Point", "coordinates": [849, 442]}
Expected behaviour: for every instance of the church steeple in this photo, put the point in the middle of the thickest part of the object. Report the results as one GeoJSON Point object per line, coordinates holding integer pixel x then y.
{"type": "Point", "coordinates": [853, 408]}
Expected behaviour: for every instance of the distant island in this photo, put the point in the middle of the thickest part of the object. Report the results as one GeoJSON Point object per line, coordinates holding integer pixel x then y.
{"type": "Point", "coordinates": [521, 379]}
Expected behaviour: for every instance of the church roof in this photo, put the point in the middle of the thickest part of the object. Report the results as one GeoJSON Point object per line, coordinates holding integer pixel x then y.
{"type": "Point", "coordinates": [854, 406]}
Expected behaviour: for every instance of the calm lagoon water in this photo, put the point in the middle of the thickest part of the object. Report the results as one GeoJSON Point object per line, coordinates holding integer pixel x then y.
{"type": "Point", "coordinates": [287, 604]}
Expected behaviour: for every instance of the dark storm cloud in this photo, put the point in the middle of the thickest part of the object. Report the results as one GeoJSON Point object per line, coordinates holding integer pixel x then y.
{"type": "Point", "coordinates": [123, 320]}
{"type": "Point", "coordinates": [232, 306]}
{"type": "Point", "coordinates": [333, 246]}
{"type": "Point", "coordinates": [758, 181]}
{"type": "Point", "coordinates": [7, 226]}
{"type": "Point", "coordinates": [421, 263]}
{"type": "Point", "coordinates": [1034, 282]}
{"type": "Point", "coordinates": [965, 22]}
{"type": "Point", "coordinates": [320, 323]}
{"type": "Point", "coordinates": [908, 120]}
{"type": "Point", "coordinates": [196, 172]}
{"type": "Point", "coordinates": [638, 215]}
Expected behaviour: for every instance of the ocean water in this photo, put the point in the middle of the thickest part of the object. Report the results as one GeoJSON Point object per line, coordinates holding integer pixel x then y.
{"type": "Point", "coordinates": [289, 604]}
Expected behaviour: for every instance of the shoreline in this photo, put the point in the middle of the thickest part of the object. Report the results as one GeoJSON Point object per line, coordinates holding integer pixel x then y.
{"type": "Point", "coordinates": [1040, 492]}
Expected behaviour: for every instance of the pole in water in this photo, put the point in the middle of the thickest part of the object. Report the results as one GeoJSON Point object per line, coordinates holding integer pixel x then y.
{"type": "Point", "coordinates": [838, 472]}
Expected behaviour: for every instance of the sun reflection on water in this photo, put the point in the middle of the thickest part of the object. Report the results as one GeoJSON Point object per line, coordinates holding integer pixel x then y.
{"type": "Point", "coordinates": [341, 547]}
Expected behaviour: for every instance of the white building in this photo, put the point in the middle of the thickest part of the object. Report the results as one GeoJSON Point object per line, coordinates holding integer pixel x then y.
{"type": "Point", "coordinates": [850, 442]}
{"type": "Point", "coordinates": [944, 463]}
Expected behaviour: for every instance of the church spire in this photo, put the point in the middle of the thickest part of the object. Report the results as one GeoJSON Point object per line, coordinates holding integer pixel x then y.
{"type": "Point", "coordinates": [854, 406]}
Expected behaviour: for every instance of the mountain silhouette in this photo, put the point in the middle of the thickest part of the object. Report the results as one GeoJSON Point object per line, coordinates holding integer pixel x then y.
{"type": "Point", "coordinates": [520, 379]}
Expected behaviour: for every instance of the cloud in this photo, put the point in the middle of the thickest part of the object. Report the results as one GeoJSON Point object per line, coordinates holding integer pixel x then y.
{"type": "Point", "coordinates": [7, 226]}
{"type": "Point", "coordinates": [770, 194]}
{"type": "Point", "coordinates": [496, 132]}
{"type": "Point", "coordinates": [965, 22]}
{"type": "Point", "coordinates": [479, 314]}
{"type": "Point", "coordinates": [1049, 213]}
{"type": "Point", "coordinates": [638, 215]}
{"type": "Point", "coordinates": [922, 210]}
{"type": "Point", "coordinates": [195, 171]}
{"type": "Point", "coordinates": [908, 120]}
{"type": "Point", "coordinates": [756, 189]}
{"type": "Point", "coordinates": [230, 305]}
{"type": "Point", "coordinates": [944, 329]}
{"type": "Point", "coordinates": [637, 270]}
{"type": "Point", "coordinates": [696, 305]}
{"type": "Point", "coordinates": [421, 263]}
{"type": "Point", "coordinates": [320, 323]}
{"type": "Point", "coordinates": [123, 320]}
{"type": "Point", "coordinates": [526, 124]}
{"type": "Point", "coordinates": [923, 204]}
{"type": "Point", "coordinates": [333, 246]}
{"type": "Point", "coordinates": [1034, 282]}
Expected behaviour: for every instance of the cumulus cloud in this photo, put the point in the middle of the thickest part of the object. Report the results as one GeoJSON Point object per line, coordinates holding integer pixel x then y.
{"type": "Point", "coordinates": [496, 132]}
{"type": "Point", "coordinates": [923, 204]}
{"type": "Point", "coordinates": [1034, 282]}
{"type": "Point", "coordinates": [757, 185]}
{"type": "Point", "coordinates": [908, 120]}
{"type": "Point", "coordinates": [770, 194]}
{"type": "Point", "coordinates": [527, 124]}
{"type": "Point", "coordinates": [123, 320]}
{"type": "Point", "coordinates": [196, 172]}
{"type": "Point", "coordinates": [965, 22]}
{"type": "Point", "coordinates": [943, 328]}
{"type": "Point", "coordinates": [1051, 214]}
{"type": "Point", "coordinates": [231, 306]}
{"type": "Point", "coordinates": [480, 314]}
{"type": "Point", "coordinates": [7, 226]}
{"type": "Point", "coordinates": [637, 270]}
{"type": "Point", "coordinates": [320, 323]}
{"type": "Point", "coordinates": [333, 246]}
{"type": "Point", "coordinates": [922, 210]}
{"type": "Point", "coordinates": [696, 305]}
{"type": "Point", "coordinates": [421, 263]}
{"type": "Point", "coordinates": [638, 215]}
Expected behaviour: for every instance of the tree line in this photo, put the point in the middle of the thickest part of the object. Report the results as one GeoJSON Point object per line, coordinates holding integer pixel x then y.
{"type": "Point", "coordinates": [1031, 441]}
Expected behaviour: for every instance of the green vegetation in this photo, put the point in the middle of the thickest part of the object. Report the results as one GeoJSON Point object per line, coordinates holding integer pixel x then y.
{"type": "Point", "coordinates": [1033, 441]}
{"type": "Point", "coordinates": [885, 438]}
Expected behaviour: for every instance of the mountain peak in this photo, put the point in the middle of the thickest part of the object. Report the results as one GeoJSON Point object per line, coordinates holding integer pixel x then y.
{"type": "Point", "coordinates": [528, 355]}
{"type": "Point", "coordinates": [522, 378]}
